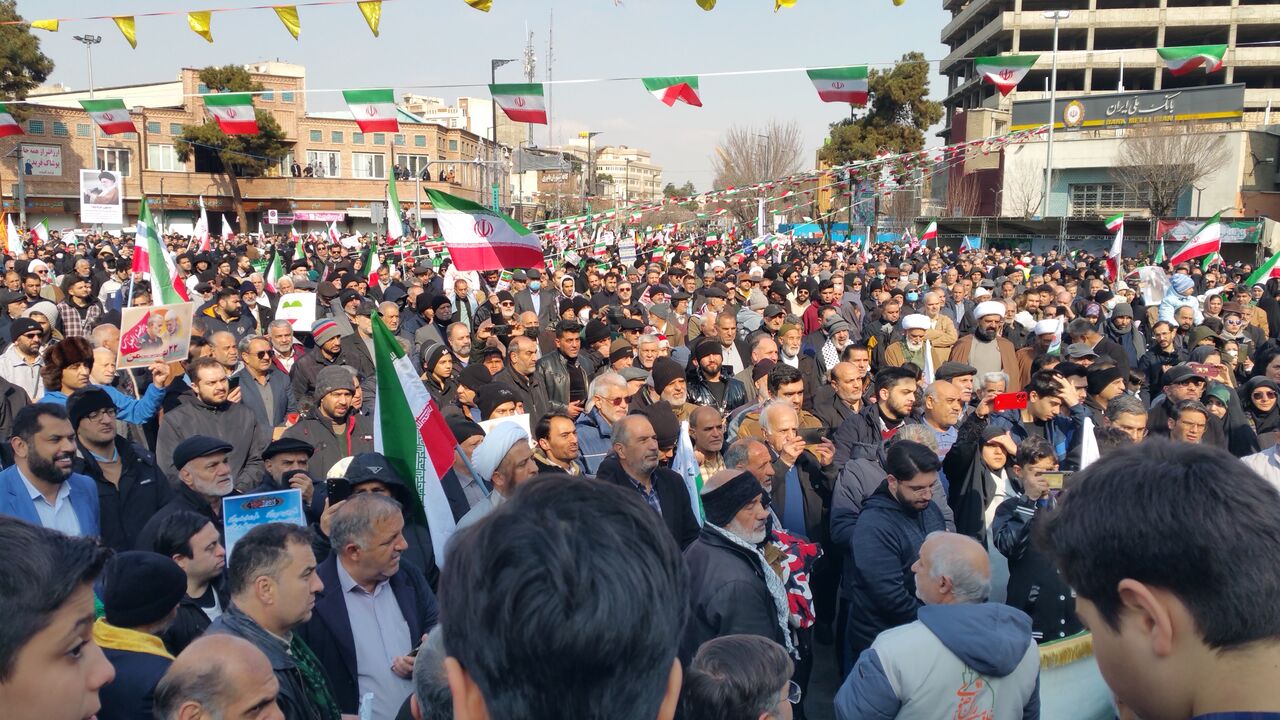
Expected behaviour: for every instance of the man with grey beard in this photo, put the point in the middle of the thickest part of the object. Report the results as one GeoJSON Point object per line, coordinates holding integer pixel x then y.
{"type": "Point", "coordinates": [733, 589]}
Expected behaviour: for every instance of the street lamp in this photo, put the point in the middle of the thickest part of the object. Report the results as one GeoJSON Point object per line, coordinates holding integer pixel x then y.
{"type": "Point", "coordinates": [765, 154]}
{"type": "Point", "coordinates": [590, 189]}
{"type": "Point", "coordinates": [493, 78]}
{"type": "Point", "coordinates": [1056, 16]}
{"type": "Point", "coordinates": [626, 179]}
{"type": "Point", "coordinates": [89, 41]}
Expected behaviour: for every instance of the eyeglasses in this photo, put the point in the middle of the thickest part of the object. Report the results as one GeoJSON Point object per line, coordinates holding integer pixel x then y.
{"type": "Point", "coordinates": [1263, 395]}
{"type": "Point", "coordinates": [793, 692]}
{"type": "Point", "coordinates": [262, 354]}
{"type": "Point", "coordinates": [100, 414]}
{"type": "Point", "coordinates": [616, 402]}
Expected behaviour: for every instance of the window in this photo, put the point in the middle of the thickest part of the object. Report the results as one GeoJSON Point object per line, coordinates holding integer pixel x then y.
{"type": "Point", "coordinates": [116, 159]}
{"type": "Point", "coordinates": [286, 96]}
{"type": "Point", "coordinates": [453, 145]}
{"type": "Point", "coordinates": [59, 129]}
{"type": "Point", "coordinates": [399, 140]}
{"type": "Point", "coordinates": [268, 95]}
{"type": "Point", "coordinates": [413, 164]}
{"type": "Point", "coordinates": [323, 163]}
{"type": "Point", "coordinates": [317, 136]}
{"type": "Point", "coordinates": [163, 157]}
{"type": "Point", "coordinates": [82, 129]}
{"type": "Point", "coordinates": [419, 140]}
{"type": "Point", "coordinates": [379, 138]}
{"type": "Point", "coordinates": [335, 136]}
{"type": "Point", "coordinates": [1088, 199]}
{"type": "Point", "coordinates": [202, 89]}
{"type": "Point", "coordinates": [175, 128]}
{"type": "Point", "coordinates": [357, 138]}
{"type": "Point", "coordinates": [286, 164]}
{"type": "Point", "coordinates": [35, 127]}
{"type": "Point", "coordinates": [153, 127]}
{"type": "Point", "coordinates": [368, 166]}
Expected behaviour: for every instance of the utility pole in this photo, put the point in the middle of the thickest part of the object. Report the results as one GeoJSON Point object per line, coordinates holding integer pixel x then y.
{"type": "Point", "coordinates": [89, 41]}
{"type": "Point", "coordinates": [590, 188]}
{"type": "Point", "coordinates": [1055, 16]}
{"type": "Point", "coordinates": [493, 131]}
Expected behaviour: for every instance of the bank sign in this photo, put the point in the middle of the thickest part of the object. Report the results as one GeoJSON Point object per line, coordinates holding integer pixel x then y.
{"type": "Point", "coordinates": [1215, 102]}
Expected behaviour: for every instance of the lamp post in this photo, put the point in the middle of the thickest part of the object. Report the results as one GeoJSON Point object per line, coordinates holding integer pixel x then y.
{"type": "Point", "coordinates": [493, 78]}
{"type": "Point", "coordinates": [590, 188]}
{"type": "Point", "coordinates": [626, 179]}
{"type": "Point", "coordinates": [89, 41]}
{"type": "Point", "coordinates": [1056, 16]}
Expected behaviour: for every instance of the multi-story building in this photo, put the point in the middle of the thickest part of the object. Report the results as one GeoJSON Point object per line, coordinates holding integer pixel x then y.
{"type": "Point", "coordinates": [334, 172]}
{"type": "Point", "coordinates": [635, 177]}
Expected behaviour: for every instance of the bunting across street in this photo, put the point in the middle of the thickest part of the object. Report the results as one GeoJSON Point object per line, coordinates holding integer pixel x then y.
{"type": "Point", "coordinates": [8, 125]}
{"type": "Point", "coordinates": [674, 89]}
{"type": "Point", "coordinates": [111, 115]}
{"type": "Point", "coordinates": [522, 102]}
{"type": "Point", "coordinates": [373, 110]}
{"type": "Point", "coordinates": [1183, 60]}
{"type": "Point", "coordinates": [1004, 71]}
{"type": "Point", "coordinates": [841, 85]}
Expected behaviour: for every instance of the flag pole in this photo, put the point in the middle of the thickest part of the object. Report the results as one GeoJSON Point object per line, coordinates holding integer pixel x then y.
{"type": "Point", "coordinates": [457, 450]}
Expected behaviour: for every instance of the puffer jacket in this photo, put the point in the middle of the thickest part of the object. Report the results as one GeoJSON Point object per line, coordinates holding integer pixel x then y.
{"type": "Point", "coordinates": [595, 439]}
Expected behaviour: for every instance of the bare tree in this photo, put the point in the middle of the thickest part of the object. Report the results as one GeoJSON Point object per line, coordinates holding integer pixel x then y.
{"type": "Point", "coordinates": [962, 196]}
{"type": "Point", "coordinates": [1158, 164]}
{"type": "Point", "coordinates": [750, 154]}
{"type": "Point", "coordinates": [1022, 192]}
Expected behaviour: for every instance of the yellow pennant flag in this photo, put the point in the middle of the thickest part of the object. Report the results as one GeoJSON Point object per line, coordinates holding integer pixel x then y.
{"type": "Point", "coordinates": [288, 15]}
{"type": "Point", "coordinates": [779, 4]}
{"type": "Point", "coordinates": [706, 4]}
{"type": "Point", "coordinates": [128, 29]}
{"type": "Point", "coordinates": [372, 11]}
{"type": "Point", "coordinates": [200, 23]}
{"type": "Point", "coordinates": [483, 5]}
{"type": "Point", "coordinates": [51, 24]}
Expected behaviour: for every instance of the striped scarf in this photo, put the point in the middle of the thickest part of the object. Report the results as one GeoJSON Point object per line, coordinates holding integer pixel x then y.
{"type": "Point", "coordinates": [313, 678]}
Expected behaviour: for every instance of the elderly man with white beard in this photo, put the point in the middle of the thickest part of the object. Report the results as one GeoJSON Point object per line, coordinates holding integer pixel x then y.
{"type": "Point", "coordinates": [911, 348]}
{"type": "Point", "coordinates": [733, 589]}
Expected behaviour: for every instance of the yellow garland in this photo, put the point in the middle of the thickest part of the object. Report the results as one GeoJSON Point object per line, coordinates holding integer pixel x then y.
{"type": "Point", "coordinates": [1066, 651]}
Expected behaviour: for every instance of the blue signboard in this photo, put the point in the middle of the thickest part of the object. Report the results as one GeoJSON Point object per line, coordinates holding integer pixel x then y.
{"type": "Point", "coordinates": [242, 513]}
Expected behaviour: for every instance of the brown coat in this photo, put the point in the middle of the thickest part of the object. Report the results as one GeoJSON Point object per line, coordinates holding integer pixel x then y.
{"type": "Point", "coordinates": [1008, 359]}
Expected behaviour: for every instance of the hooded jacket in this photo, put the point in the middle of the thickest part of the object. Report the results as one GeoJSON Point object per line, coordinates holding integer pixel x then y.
{"type": "Point", "coordinates": [964, 660]}
{"type": "Point", "coordinates": [1131, 341]}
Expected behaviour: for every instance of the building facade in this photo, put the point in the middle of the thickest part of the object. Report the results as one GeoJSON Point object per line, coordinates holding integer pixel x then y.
{"type": "Point", "coordinates": [333, 172]}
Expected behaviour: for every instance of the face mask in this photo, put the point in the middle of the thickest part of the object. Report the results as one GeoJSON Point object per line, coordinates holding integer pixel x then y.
{"type": "Point", "coordinates": [913, 297]}
{"type": "Point", "coordinates": [535, 285]}
{"type": "Point", "coordinates": [531, 333]}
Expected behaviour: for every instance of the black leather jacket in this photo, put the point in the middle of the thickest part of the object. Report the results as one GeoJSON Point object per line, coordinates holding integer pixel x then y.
{"type": "Point", "coordinates": [735, 393]}
{"type": "Point", "coordinates": [555, 377]}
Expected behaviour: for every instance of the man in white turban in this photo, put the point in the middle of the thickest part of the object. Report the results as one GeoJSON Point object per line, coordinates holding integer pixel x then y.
{"type": "Point", "coordinates": [986, 349]}
{"type": "Point", "coordinates": [505, 460]}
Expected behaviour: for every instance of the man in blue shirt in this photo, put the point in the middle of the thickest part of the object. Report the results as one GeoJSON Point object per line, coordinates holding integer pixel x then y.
{"type": "Point", "coordinates": [40, 486]}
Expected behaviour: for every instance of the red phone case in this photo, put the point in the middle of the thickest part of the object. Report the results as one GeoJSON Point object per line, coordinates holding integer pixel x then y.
{"type": "Point", "coordinates": [1009, 401]}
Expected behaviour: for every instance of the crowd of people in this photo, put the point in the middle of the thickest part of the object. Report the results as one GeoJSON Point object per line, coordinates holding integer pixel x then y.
{"type": "Point", "coordinates": [922, 469]}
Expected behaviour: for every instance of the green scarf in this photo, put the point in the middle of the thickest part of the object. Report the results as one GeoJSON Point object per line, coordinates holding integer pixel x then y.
{"type": "Point", "coordinates": [313, 677]}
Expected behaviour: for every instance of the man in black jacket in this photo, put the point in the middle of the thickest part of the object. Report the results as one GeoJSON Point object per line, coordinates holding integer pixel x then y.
{"type": "Point", "coordinates": [204, 478]}
{"type": "Point", "coordinates": [633, 464]}
{"type": "Point", "coordinates": [708, 384]}
{"type": "Point", "coordinates": [730, 589]}
{"type": "Point", "coordinates": [565, 372]}
{"type": "Point", "coordinates": [193, 542]}
{"type": "Point", "coordinates": [370, 595]}
{"type": "Point", "coordinates": [864, 435]}
{"type": "Point", "coordinates": [131, 487]}
{"type": "Point", "coordinates": [841, 398]}
{"type": "Point", "coordinates": [521, 374]}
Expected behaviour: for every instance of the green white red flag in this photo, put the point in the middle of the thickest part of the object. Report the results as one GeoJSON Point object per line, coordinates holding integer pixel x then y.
{"type": "Point", "coordinates": [395, 227]}
{"type": "Point", "coordinates": [373, 110]}
{"type": "Point", "coordinates": [110, 115]}
{"type": "Point", "coordinates": [275, 271]}
{"type": "Point", "coordinates": [1265, 272]}
{"type": "Point", "coordinates": [1004, 71]}
{"type": "Point", "coordinates": [372, 262]}
{"type": "Point", "coordinates": [483, 239]}
{"type": "Point", "coordinates": [930, 233]}
{"type": "Point", "coordinates": [201, 233]}
{"type": "Point", "coordinates": [1115, 224]}
{"type": "Point", "coordinates": [671, 89]}
{"type": "Point", "coordinates": [1182, 60]}
{"type": "Point", "coordinates": [151, 258]}
{"type": "Point", "coordinates": [842, 85]}
{"type": "Point", "coordinates": [233, 111]}
{"type": "Point", "coordinates": [41, 231]}
{"type": "Point", "coordinates": [412, 433]}
{"type": "Point", "coordinates": [1208, 239]}
{"type": "Point", "coordinates": [8, 123]}
{"type": "Point", "coordinates": [522, 102]}
{"type": "Point", "coordinates": [686, 463]}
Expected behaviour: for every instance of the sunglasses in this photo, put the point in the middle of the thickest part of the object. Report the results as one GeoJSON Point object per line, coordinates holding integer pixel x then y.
{"type": "Point", "coordinates": [617, 402]}
{"type": "Point", "coordinates": [1263, 395]}
{"type": "Point", "coordinates": [262, 354]}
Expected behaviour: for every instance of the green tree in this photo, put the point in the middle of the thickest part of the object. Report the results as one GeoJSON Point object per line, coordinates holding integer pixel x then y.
{"type": "Point", "coordinates": [900, 114]}
{"type": "Point", "coordinates": [22, 65]}
{"type": "Point", "coordinates": [240, 155]}
{"type": "Point", "coordinates": [672, 190]}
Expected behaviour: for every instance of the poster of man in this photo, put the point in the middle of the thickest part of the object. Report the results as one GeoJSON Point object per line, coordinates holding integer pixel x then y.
{"type": "Point", "coordinates": [158, 332]}
{"type": "Point", "coordinates": [101, 201]}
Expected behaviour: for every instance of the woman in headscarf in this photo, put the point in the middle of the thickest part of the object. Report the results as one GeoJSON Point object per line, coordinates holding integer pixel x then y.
{"type": "Point", "coordinates": [1258, 397]}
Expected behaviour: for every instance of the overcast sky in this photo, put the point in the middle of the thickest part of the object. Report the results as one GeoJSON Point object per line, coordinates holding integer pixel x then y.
{"type": "Point", "coordinates": [427, 43]}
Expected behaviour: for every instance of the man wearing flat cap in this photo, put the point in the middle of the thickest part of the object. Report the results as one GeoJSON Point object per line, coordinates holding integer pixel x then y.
{"type": "Point", "coordinates": [203, 478]}
{"type": "Point", "coordinates": [733, 590]}
{"type": "Point", "coordinates": [286, 462]}
{"type": "Point", "coordinates": [986, 349]}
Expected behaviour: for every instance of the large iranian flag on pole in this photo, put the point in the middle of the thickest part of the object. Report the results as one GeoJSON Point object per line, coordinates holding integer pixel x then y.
{"type": "Point", "coordinates": [843, 85]}
{"type": "Point", "coordinates": [482, 239]}
{"type": "Point", "coordinates": [671, 89]}
{"type": "Point", "coordinates": [1182, 60]}
{"type": "Point", "coordinates": [1115, 224]}
{"type": "Point", "coordinates": [1004, 71]}
{"type": "Point", "coordinates": [8, 124]}
{"type": "Point", "coordinates": [522, 102]}
{"type": "Point", "coordinates": [151, 257]}
{"type": "Point", "coordinates": [111, 115]}
{"type": "Point", "coordinates": [1265, 272]}
{"type": "Point", "coordinates": [412, 433]}
{"type": "Point", "coordinates": [374, 110]}
{"type": "Point", "coordinates": [372, 262]}
{"type": "Point", "coordinates": [233, 111]}
{"type": "Point", "coordinates": [1208, 239]}
{"type": "Point", "coordinates": [930, 233]}
{"type": "Point", "coordinates": [275, 271]}
{"type": "Point", "coordinates": [395, 228]}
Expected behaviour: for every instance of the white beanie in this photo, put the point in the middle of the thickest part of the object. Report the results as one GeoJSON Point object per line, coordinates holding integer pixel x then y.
{"type": "Point", "coordinates": [490, 453]}
{"type": "Point", "coordinates": [990, 307]}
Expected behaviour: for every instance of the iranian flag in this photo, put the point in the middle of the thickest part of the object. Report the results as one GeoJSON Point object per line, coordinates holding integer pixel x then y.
{"type": "Point", "coordinates": [374, 110]}
{"type": "Point", "coordinates": [8, 124]}
{"type": "Point", "coordinates": [522, 102]}
{"type": "Point", "coordinates": [1182, 60]}
{"type": "Point", "coordinates": [151, 258]}
{"type": "Point", "coordinates": [412, 433]}
{"type": "Point", "coordinates": [395, 227]}
{"type": "Point", "coordinates": [334, 237]}
{"type": "Point", "coordinates": [1004, 71]}
{"type": "Point", "coordinates": [686, 463]}
{"type": "Point", "coordinates": [275, 271]}
{"type": "Point", "coordinates": [233, 111]}
{"type": "Point", "coordinates": [1208, 239]}
{"type": "Point", "coordinates": [671, 89]}
{"type": "Point", "coordinates": [227, 232]}
{"type": "Point", "coordinates": [482, 239]}
{"type": "Point", "coordinates": [41, 231]}
{"type": "Point", "coordinates": [930, 233]}
{"type": "Point", "coordinates": [1115, 224]}
{"type": "Point", "coordinates": [111, 115]}
{"type": "Point", "coordinates": [842, 85]}
{"type": "Point", "coordinates": [1159, 258]}
{"type": "Point", "coordinates": [372, 262]}
{"type": "Point", "coordinates": [201, 233]}
{"type": "Point", "coordinates": [1265, 272]}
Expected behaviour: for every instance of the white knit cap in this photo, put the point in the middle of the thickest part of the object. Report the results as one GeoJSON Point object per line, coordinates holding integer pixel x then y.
{"type": "Point", "coordinates": [915, 321]}
{"type": "Point", "coordinates": [990, 307]}
{"type": "Point", "coordinates": [491, 451]}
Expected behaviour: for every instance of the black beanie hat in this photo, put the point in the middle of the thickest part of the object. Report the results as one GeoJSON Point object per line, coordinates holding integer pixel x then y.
{"type": "Point", "coordinates": [140, 588]}
{"type": "Point", "coordinates": [708, 346]}
{"type": "Point", "coordinates": [665, 371]}
{"type": "Point", "coordinates": [666, 426]}
{"type": "Point", "coordinates": [464, 428]}
{"type": "Point", "coordinates": [1099, 378]}
{"type": "Point", "coordinates": [86, 400]}
{"type": "Point", "coordinates": [719, 506]}
{"type": "Point", "coordinates": [474, 376]}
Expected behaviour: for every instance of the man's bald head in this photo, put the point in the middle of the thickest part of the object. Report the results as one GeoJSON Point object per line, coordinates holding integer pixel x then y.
{"type": "Point", "coordinates": [843, 372]}
{"type": "Point", "coordinates": [219, 676]}
{"type": "Point", "coordinates": [952, 569]}
{"type": "Point", "coordinates": [703, 414]}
